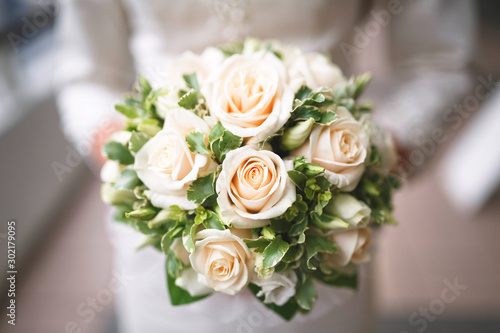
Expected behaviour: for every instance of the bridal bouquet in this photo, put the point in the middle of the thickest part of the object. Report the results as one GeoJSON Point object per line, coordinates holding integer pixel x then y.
{"type": "Point", "coordinates": [252, 165]}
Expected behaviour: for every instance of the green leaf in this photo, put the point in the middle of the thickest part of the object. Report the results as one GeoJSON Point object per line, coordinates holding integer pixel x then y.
{"type": "Point", "coordinates": [137, 140]}
{"type": "Point", "coordinates": [294, 253]}
{"type": "Point", "coordinates": [118, 152]}
{"type": "Point", "coordinates": [315, 244]}
{"type": "Point", "coordinates": [328, 117]}
{"type": "Point", "coordinates": [298, 178]}
{"type": "Point", "coordinates": [259, 245]}
{"type": "Point", "coordinates": [189, 100]}
{"type": "Point", "coordinates": [287, 311]}
{"type": "Point", "coordinates": [173, 265]}
{"type": "Point", "coordinates": [202, 188]}
{"type": "Point", "coordinates": [298, 228]}
{"type": "Point", "coordinates": [228, 142]}
{"type": "Point", "coordinates": [143, 228]}
{"type": "Point", "coordinates": [192, 82]}
{"type": "Point", "coordinates": [231, 48]}
{"type": "Point", "coordinates": [303, 93]}
{"type": "Point", "coordinates": [148, 129]}
{"type": "Point", "coordinates": [127, 111]}
{"type": "Point", "coordinates": [165, 244]}
{"type": "Point", "coordinates": [274, 252]}
{"type": "Point", "coordinates": [196, 142]}
{"type": "Point", "coordinates": [306, 294]}
{"type": "Point", "coordinates": [128, 180]}
{"type": "Point", "coordinates": [304, 112]}
{"type": "Point", "coordinates": [281, 225]}
{"type": "Point", "coordinates": [188, 236]}
{"type": "Point", "coordinates": [145, 86]}
{"type": "Point", "coordinates": [213, 222]}
{"type": "Point", "coordinates": [216, 132]}
{"type": "Point", "coordinates": [338, 279]}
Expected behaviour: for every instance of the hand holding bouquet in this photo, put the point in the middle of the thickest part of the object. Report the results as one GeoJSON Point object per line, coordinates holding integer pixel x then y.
{"type": "Point", "coordinates": [252, 166]}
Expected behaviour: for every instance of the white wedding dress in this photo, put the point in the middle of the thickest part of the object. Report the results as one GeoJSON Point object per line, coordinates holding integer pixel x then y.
{"type": "Point", "coordinates": [104, 43]}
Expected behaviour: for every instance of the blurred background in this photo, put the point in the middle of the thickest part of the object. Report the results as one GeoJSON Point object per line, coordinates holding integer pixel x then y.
{"type": "Point", "coordinates": [63, 255]}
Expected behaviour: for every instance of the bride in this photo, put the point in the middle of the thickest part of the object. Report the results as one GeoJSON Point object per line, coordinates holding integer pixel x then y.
{"type": "Point", "coordinates": [105, 43]}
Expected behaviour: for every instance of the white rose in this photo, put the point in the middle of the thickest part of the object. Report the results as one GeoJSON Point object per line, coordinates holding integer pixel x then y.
{"type": "Point", "coordinates": [222, 261]}
{"type": "Point", "coordinates": [349, 209]}
{"type": "Point", "coordinates": [340, 148]}
{"type": "Point", "coordinates": [187, 63]}
{"type": "Point", "coordinates": [253, 187]}
{"type": "Point", "coordinates": [250, 95]}
{"type": "Point", "coordinates": [352, 245]}
{"type": "Point", "coordinates": [167, 166]}
{"type": "Point", "coordinates": [278, 288]}
{"type": "Point", "coordinates": [314, 70]}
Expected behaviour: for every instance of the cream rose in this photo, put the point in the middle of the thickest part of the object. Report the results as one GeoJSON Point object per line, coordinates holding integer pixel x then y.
{"type": "Point", "coordinates": [222, 261]}
{"type": "Point", "coordinates": [278, 288]}
{"type": "Point", "coordinates": [314, 70]}
{"type": "Point", "coordinates": [250, 95]}
{"type": "Point", "coordinates": [349, 209]}
{"type": "Point", "coordinates": [187, 63]}
{"type": "Point", "coordinates": [167, 166]}
{"type": "Point", "coordinates": [253, 187]}
{"type": "Point", "coordinates": [340, 148]}
{"type": "Point", "coordinates": [352, 245]}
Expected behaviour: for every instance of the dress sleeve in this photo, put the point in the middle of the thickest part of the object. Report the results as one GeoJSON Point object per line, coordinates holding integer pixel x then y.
{"type": "Point", "coordinates": [94, 67]}
{"type": "Point", "coordinates": [431, 45]}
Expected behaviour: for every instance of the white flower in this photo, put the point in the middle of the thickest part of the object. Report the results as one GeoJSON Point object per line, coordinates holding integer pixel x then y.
{"type": "Point", "coordinates": [189, 281]}
{"type": "Point", "coordinates": [314, 70]}
{"type": "Point", "coordinates": [352, 245]}
{"type": "Point", "coordinates": [340, 148]}
{"type": "Point", "coordinates": [167, 166]}
{"type": "Point", "coordinates": [250, 95]}
{"type": "Point", "coordinates": [187, 63]}
{"type": "Point", "coordinates": [278, 288]}
{"type": "Point", "coordinates": [253, 187]}
{"type": "Point", "coordinates": [222, 261]}
{"type": "Point", "coordinates": [349, 209]}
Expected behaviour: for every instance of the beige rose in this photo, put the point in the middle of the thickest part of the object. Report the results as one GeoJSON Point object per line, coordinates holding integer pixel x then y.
{"type": "Point", "coordinates": [340, 148]}
{"type": "Point", "coordinates": [250, 95]}
{"type": "Point", "coordinates": [187, 63]}
{"type": "Point", "coordinates": [314, 70]}
{"type": "Point", "coordinates": [222, 261]}
{"type": "Point", "coordinates": [352, 245]}
{"type": "Point", "coordinates": [253, 187]}
{"type": "Point", "coordinates": [167, 166]}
